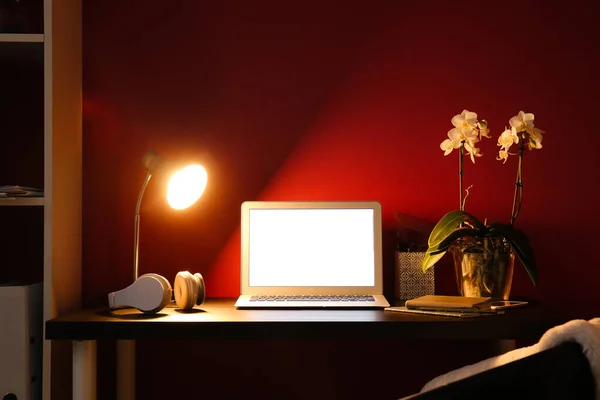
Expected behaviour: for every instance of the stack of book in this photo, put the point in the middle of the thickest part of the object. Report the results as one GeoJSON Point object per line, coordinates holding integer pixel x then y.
{"type": "Point", "coordinates": [449, 306]}
{"type": "Point", "coordinates": [20, 191]}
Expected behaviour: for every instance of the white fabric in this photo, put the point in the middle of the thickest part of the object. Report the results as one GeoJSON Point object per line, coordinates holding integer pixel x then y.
{"type": "Point", "coordinates": [586, 333]}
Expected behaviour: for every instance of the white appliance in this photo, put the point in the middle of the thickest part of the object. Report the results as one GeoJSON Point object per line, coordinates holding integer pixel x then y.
{"type": "Point", "coordinates": [21, 326]}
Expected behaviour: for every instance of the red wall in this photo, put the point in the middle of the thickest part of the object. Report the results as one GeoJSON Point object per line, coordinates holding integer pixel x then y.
{"type": "Point", "coordinates": [336, 100]}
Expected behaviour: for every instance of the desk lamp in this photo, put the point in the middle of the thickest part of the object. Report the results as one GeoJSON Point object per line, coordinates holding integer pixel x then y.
{"type": "Point", "coordinates": [150, 293]}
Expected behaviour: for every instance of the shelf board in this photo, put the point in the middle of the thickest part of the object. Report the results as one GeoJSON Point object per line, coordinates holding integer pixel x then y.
{"type": "Point", "coordinates": [21, 201]}
{"type": "Point", "coordinates": [22, 37]}
{"type": "Point", "coordinates": [23, 53]}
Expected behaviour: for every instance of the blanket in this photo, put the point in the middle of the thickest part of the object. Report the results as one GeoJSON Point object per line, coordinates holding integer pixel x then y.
{"type": "Point", "coordinates": [586, 333]}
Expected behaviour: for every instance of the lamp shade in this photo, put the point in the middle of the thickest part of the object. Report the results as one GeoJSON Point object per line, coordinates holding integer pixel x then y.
{"type": "Point", "coordinates": [186, 186]}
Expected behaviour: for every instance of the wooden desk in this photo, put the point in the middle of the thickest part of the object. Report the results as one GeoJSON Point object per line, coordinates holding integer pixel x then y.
{"type": "Point", "coordinates": [218, 318]}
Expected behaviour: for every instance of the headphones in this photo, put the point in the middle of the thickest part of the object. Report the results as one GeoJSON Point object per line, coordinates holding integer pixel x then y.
{"type": "Point", "coordinates": [150, 293]}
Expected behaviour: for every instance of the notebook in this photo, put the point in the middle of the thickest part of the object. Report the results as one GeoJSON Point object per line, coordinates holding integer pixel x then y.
{"type": "Point", "coordinates": [311, 254]}
{"type": "Point", "coordinates": [450, 303]}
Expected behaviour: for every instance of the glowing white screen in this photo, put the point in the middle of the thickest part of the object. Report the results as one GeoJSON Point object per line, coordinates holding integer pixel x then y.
{"type": "Point", "coordinates": [311, 247]}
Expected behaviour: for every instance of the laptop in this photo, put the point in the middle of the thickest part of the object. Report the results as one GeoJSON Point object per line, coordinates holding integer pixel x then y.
{"type": "Point", "coordinates": [311, 255]}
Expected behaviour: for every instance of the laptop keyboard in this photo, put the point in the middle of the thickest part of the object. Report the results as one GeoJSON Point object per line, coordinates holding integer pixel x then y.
{"type": "Point", "coordinates": [311, 298]}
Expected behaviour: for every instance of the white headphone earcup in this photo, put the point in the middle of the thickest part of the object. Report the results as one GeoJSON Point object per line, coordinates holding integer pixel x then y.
{"type": "Point", "coordinates": [200, 288]}
{"type": "Point", "coordinates": [185, 290]}
{"type": "Point", "coordinates": [167, 289]}
{"type": "Point", "coordinates": [146, 294]}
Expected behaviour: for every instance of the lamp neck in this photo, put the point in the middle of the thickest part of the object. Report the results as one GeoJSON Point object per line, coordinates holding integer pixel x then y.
{"type": "Point", "coordinates": [136, 238]}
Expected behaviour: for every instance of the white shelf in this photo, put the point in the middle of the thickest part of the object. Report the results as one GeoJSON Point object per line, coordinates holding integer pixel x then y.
{"type": "Point", "coordinates": [21, 201]}
{"type": "Point", "coordinates": [22, 37]}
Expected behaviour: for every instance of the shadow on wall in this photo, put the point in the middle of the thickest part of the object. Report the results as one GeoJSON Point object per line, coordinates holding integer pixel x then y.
{"type": "Point", "coordinates": [313, 101]}
{"type": "Point", "coordinates": [320, 369]}
{"type": "Point", "coordinates": [244, 83]}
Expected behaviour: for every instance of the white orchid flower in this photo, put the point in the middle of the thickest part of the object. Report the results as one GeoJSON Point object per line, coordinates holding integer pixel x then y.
{"type": "Point", "coordinates": [472, 151]}
{"type": "Point", "coordinates": [447, 145]}
{"type": "Point", "coordinates": [522, 122]}
{"type": "Point", "coordinates": [502, 155]}
{"type": "Point", "coordinates": [468, 130]}
{"type": "Point", "coordinates": [456, 136]}
{"type": "Point", "coordinates": [465, 121]}
{"type": "Point", "coordinates": [471, 137]}
{"type": "Point", "coordinates": [535, 138]}
{"type": "Point", "coordinates": [483, 129]}
{"type": "Point", "coordinates": [459, 135]}
{"type": "Point", "coordinates": [507, 139]}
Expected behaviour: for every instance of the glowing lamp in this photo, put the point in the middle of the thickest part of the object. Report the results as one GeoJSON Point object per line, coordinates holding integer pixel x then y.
{"type": "Point", "coordinates": [185, 187]}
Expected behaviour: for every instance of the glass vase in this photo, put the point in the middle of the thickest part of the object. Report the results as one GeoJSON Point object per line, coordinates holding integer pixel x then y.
{"type": "Point", "coordinates": [484, 266]}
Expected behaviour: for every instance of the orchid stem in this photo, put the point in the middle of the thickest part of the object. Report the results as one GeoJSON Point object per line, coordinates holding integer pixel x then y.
{"type": "Point", "coordinates": [460, 176]}
{"type": "Point", "coordinates": [516, 208]}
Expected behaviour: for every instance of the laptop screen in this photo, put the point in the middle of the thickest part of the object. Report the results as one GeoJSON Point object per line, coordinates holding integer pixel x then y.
{"type": "Point", "coordinates": [311, 247]}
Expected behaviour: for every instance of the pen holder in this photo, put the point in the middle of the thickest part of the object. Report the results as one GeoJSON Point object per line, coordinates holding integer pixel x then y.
{"type": "Point", "coordinates": [410, 281]}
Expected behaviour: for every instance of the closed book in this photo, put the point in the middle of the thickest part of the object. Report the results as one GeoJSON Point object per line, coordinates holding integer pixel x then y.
{"type": "Point", "coordinates": [443, 313]}
{"type": "Point", "coordinates": [450, 303]}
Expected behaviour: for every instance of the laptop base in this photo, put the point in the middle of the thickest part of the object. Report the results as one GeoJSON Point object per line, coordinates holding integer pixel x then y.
{"type": "Point", "coordinates": [244, 301]}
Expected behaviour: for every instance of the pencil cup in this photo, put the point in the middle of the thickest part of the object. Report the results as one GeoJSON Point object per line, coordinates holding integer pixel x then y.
{"type": "Point", "coordinates": [410, 281]}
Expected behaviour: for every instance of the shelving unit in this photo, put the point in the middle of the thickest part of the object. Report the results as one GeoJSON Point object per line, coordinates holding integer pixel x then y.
{"type": "Point", "coordinates": [22, 201]}
{"type": "Point", "coordinates": [40, 140]}
{"type": "Point", "coordinates": [22, 237]}
{"type": "Point", "coordinates": [22, 37]}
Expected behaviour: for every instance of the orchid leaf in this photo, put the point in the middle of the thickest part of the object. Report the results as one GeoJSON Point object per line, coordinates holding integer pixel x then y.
{"type": "Point", "coordinates": [434, 254]}
{"type": "Point", "coordinates": [520, 244]}
{"type": "Point", "coordinates": [450, 222]}
{"type": "Point", "coordinates": [457, 234]}
{"type": "Point", "coordinates": [430, 259]}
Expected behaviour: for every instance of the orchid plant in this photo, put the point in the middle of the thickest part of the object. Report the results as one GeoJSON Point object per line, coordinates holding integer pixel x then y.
{"type": "Point", "coordinates": [467, 132]}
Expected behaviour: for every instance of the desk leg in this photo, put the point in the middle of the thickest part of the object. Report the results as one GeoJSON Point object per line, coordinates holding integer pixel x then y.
{"type": "Point", "coordinates": [125, 369]}
{"type": "Point", "coordinates": [84, 370]}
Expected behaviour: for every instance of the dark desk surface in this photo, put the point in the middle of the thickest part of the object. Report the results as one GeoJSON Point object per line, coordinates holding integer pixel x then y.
{"type": "Point", "coordinates": [218, 318]}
